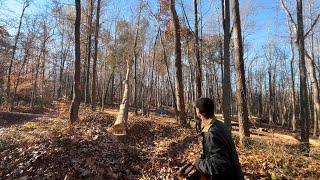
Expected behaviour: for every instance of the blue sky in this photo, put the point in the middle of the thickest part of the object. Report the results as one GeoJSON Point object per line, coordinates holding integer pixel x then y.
{"type": "Point", "coordinates": [266, 17]}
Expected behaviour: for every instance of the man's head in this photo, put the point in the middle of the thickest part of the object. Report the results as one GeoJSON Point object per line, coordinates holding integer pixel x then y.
{"type": "Point", "coordinates": [204, 108]}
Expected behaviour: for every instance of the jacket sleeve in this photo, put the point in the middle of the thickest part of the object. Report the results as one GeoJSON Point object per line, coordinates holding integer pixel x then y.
{"type": "Point", "coordinates": [218, 161]}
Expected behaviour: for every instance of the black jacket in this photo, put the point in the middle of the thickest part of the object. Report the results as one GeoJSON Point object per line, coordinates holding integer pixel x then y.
{"type": "Point", "coordinates": [219, 159]}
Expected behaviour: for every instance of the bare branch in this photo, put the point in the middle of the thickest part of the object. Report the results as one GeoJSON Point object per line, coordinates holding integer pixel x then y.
{"type": "Point", "coordinates": [185, 16]}
{"type": "Point", "coordinates": [312, 26]}
{"type": "Point", "coordinates": [292, 33]}
{"type": "Point", "coordinates": [285, 8]}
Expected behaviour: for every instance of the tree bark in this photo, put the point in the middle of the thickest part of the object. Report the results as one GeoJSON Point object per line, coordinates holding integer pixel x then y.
{"type": "Point", "coordinates": [150, 92]}
{"type": "Point", "coordinates": [165, 59]}
{"type": "Point", "coordinates": [61, 69]}
{"type": "Point", "coordinates": [87, 83]}
{"type": "Point", "coordinates": [179, 80]}
{"type": "Point", "coordinates": [95, 58]}
{"type": "Point", "coordinates": [315, 89]}
{"type": "Point", "coordinates": [197, 52]}
{"type": "Point", "coordinates": [271, 96]}
{"type": "Point", "coordinates": [119, 127]}
{"type": "Point", "coordinates": [105, 86]}
{"type": "Point", "coordinates": [74, 108]}
{"type": "Point", "coordinates": [241, 82]}
{"type": "Point", "coordinates": [304, 110]}
{"type": "Point", "coordinates": [226, 86]}
{"type": "Point", "coordinates": [135, 56]}
{"type": "Point", "coordinates": [293, 93]}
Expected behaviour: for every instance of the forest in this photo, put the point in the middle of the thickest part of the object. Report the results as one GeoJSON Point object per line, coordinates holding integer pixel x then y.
{"type": "Point", "coordinates": [106, 89]}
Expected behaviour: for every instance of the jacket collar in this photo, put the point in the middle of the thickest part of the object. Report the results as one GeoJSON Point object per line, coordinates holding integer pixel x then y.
{"type": "Point", "coordinates": [207, 126]}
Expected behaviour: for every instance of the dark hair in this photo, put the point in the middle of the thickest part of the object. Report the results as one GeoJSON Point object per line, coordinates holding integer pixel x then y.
{"type": "Point", "coordinates": [205, 106]}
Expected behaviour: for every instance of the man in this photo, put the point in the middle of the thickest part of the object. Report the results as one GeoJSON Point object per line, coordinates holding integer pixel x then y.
{"type": "Point", "coordinates": [219, 159]}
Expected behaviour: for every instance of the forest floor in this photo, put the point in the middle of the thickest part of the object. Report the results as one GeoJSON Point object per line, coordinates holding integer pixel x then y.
{"type": "Point", "coordinates": [46, 147]}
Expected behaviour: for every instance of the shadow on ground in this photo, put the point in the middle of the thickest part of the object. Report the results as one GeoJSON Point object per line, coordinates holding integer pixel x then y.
{"type": "Point", "coordinates": [8, 119]}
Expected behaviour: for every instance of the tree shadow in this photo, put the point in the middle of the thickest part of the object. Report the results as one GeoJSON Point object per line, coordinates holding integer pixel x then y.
{"type": "Point", "coordinates": [8, 119]}
{"type": "Point", "coordinates": [180, 147]}
{"type": "Point", "coordinates": [74, 154]}
{"type": "Point", "coordinates": [147, 132]}
{"type": "Point", "coordinates": [102, 118]}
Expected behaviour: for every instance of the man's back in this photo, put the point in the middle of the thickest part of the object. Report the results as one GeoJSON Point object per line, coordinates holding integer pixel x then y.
{"type": "Point", "coordinates": [220, 159]}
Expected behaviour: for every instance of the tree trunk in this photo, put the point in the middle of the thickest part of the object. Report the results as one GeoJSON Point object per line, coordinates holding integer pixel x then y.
{"type": "Point", "coordinates": [226, 86]}
{"type": "Point", "coordinates": [87, 83]}
{"type": "Point", "coordinates": [105, 86]}
{"type": "Point", "coordinates": [293, 97]}
{"type": "Point", "coordinates": [197, 52]}
{"type": "Point", "coordinates": [119, 127]}
{"type": "Point", "coordinates": [135, 56]}
{"type": "Point", "coordinates": [152, 72]}
{"type": "Point", "coordinates": [310, 99]}
{"type": "Point", "coordinates": [271, 96]}
{"type": "Point", "coordinates": [112, 88]}
{"type": "Point", "coordinates": [74, 108]}
{"type": "Point", "coordinates": [142, 95]}
{"type": "Point", "coordinates": [241, 82]}
{"type": "Point", "coordinates": [62, 62]}
{"type": "Point", "coordinates": [293, 93]}
{"type": "Point", "coordinates": [179, 80]}
{"type": "Point", "coordinates": [95, 58]}
{"type": "Point", "coordinates": [315, 90]}
{"type": "Point", "coordinates": [165, 59]}
{"type": "Point", "coordinates": [198, 70]}
{"type": "Point", "coordinates": [43, 64]}
{"type": "Point", "coordinates": [304, 110]}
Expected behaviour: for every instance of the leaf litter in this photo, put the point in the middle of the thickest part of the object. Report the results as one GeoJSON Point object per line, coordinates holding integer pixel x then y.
{"type": "Point", "coordinates": [154, 148]}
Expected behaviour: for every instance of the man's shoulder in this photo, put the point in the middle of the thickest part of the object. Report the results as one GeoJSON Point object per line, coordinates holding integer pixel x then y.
{"type": "Point", "coordinates": [218, 127]}
{"type": "Point", "coordinates": [218, 124]}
